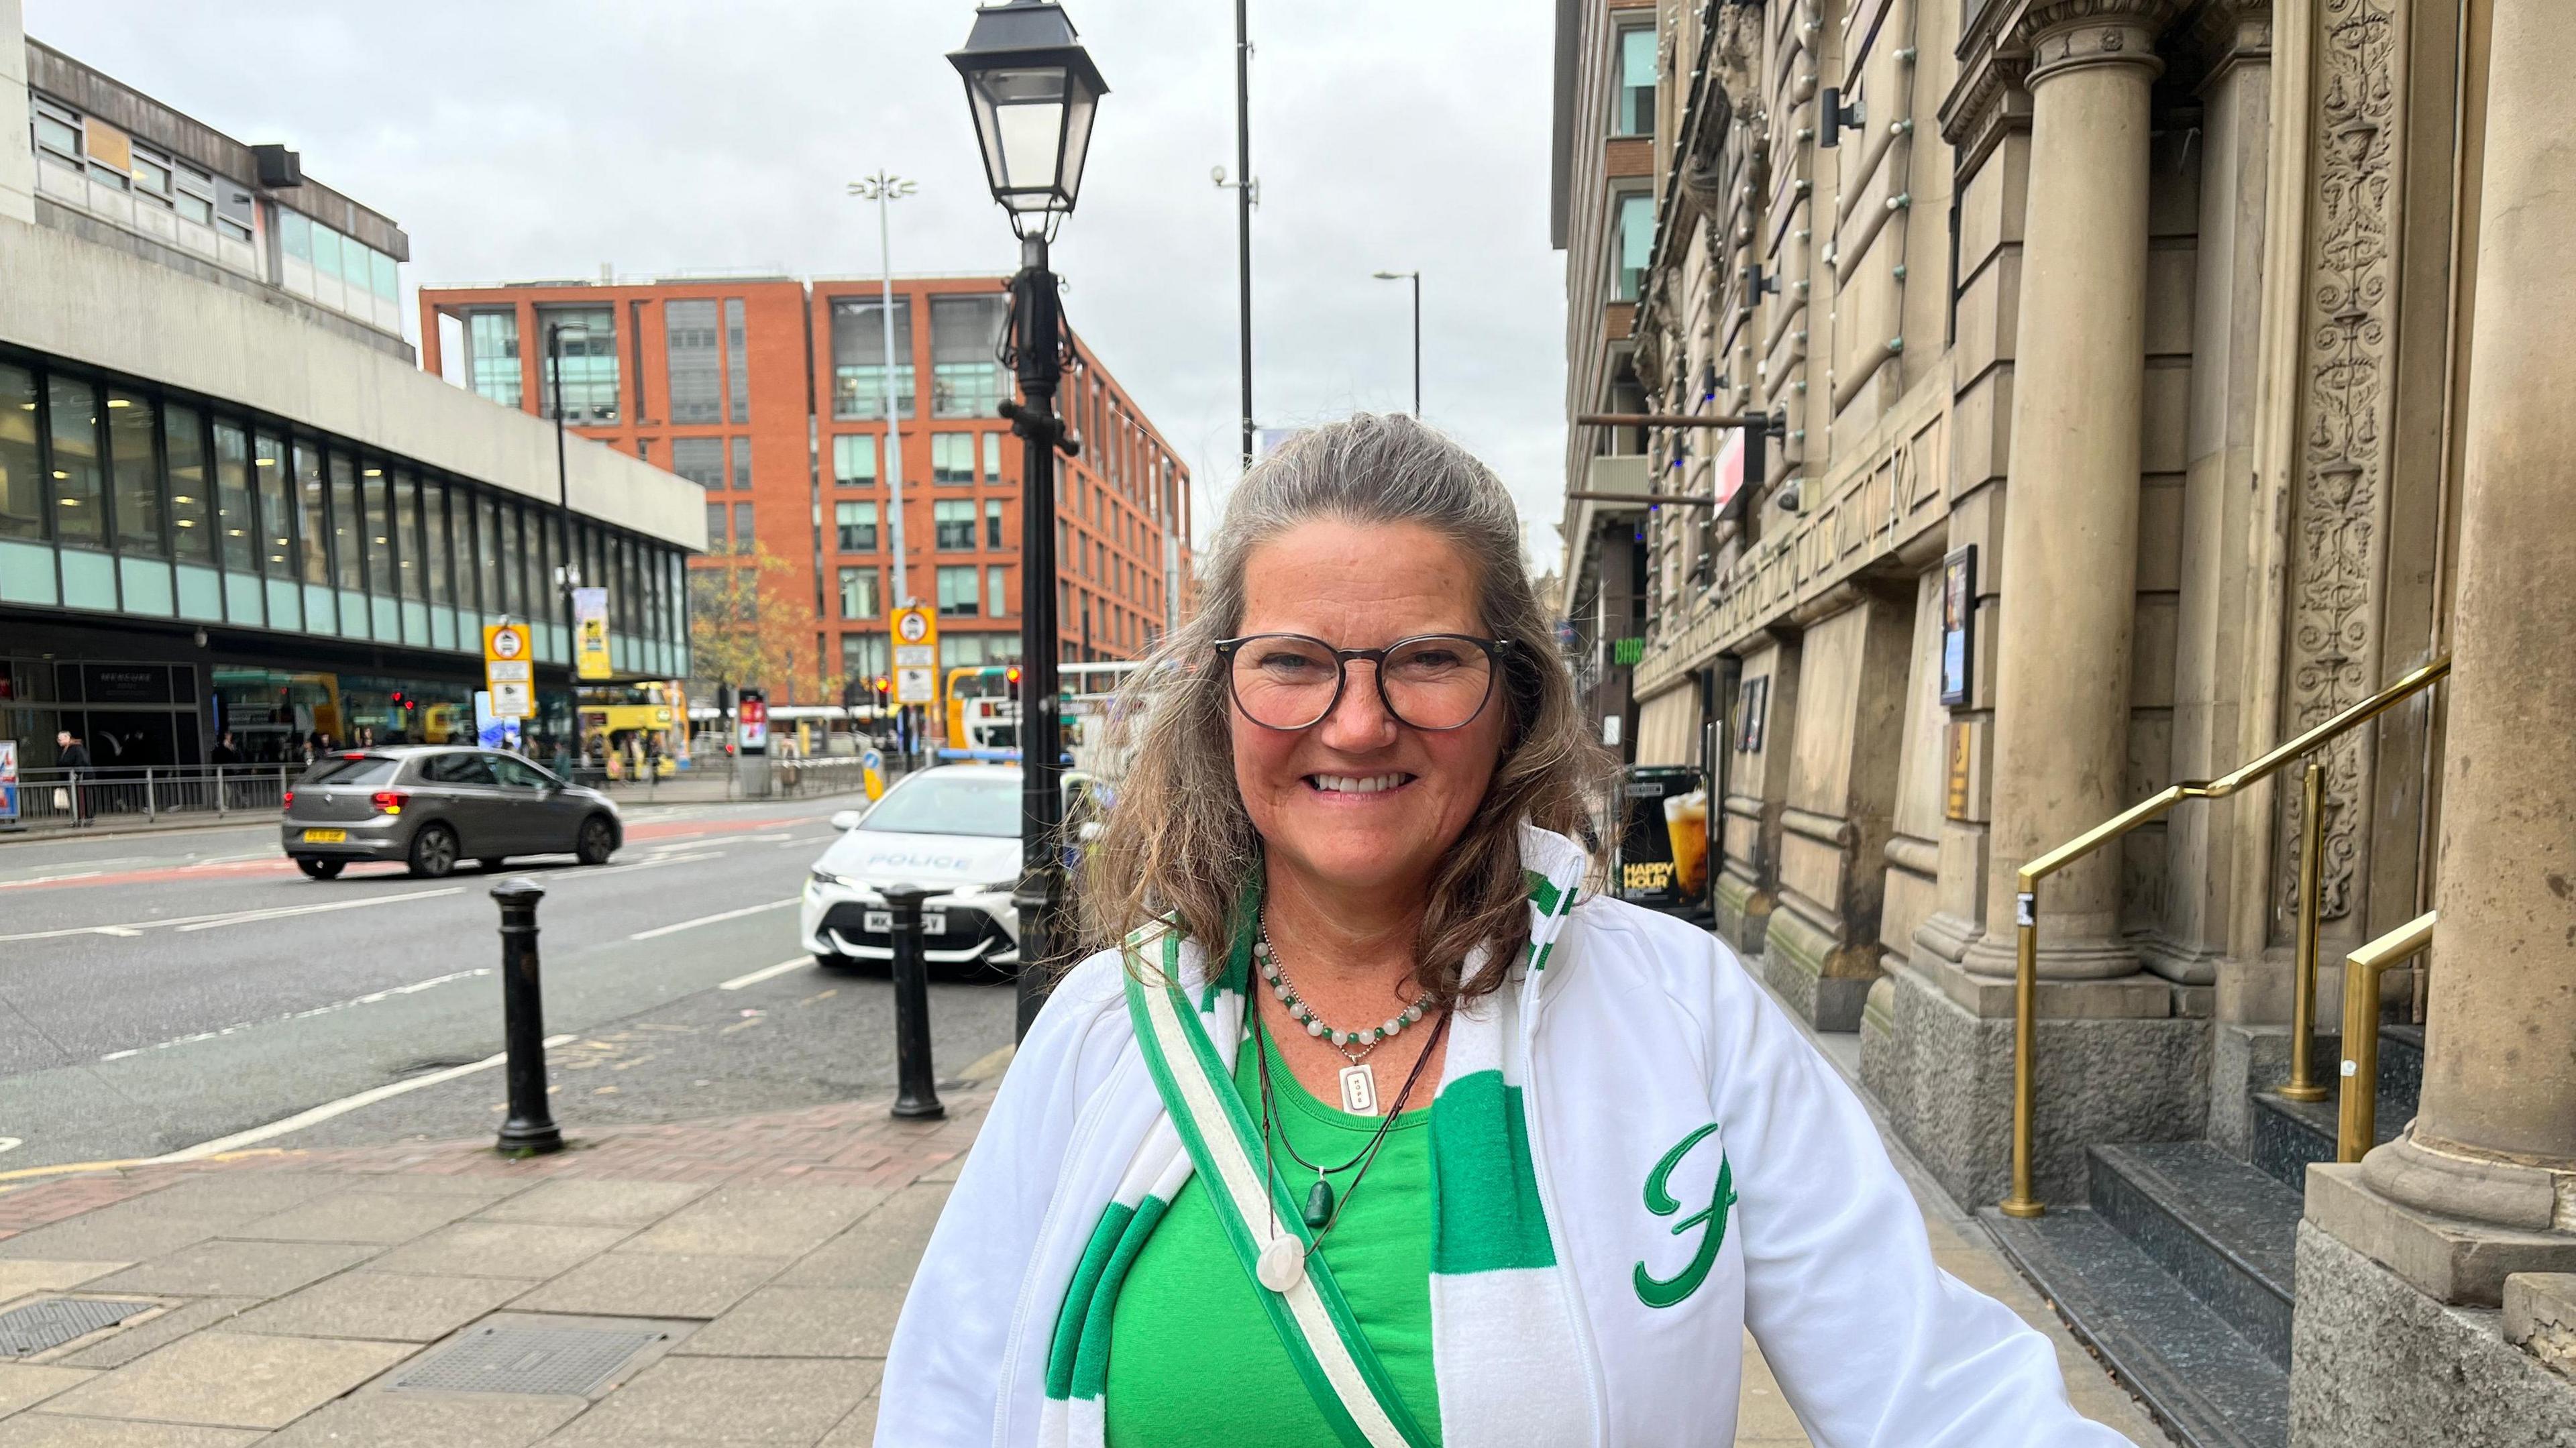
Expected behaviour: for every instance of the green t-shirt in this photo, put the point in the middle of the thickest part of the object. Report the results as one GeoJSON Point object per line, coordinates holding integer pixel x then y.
{"type": "Point", "coordinates": [1193, 1357]}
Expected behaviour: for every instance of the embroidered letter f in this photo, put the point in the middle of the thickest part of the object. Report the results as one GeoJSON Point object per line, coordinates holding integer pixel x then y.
{"type": "Point", "coordinates": [1664, 1292]}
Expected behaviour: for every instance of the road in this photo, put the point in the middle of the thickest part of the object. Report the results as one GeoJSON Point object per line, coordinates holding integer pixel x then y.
{"type": "Point", "coordinates": [161, 993]}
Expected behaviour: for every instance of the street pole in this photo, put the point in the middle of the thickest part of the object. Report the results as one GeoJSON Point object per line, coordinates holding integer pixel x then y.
{"type": "Point", "coordinates": [1243, 204]}
{"type": "Point", "coordinates": [530, 1128]}
{"type": "Point", "coordinates": [1037, 346]}
{"type": "Point", "coordinates": [885, 188]}
{"type": "Point", "coordinates": [1417, 345]}
{"type": "Point", "coordinates": [570, 576]}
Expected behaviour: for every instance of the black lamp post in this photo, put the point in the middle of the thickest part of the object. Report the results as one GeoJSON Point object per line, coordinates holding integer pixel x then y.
{"type": "Point", "coordinates": [568, 577]}
{"type": "Point", "coordinates": [1032, 89]}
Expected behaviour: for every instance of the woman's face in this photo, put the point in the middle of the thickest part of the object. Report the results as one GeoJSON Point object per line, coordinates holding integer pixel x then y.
{"type": "Point", "coordinates": [1359, 801]}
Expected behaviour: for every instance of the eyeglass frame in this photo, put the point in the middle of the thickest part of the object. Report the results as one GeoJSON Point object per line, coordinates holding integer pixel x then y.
{"type": "Point", "coordinates": [1495, 651]}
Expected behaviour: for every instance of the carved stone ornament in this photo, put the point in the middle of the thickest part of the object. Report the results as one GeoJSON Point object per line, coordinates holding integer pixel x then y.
{"type": "Point", "coordinates": [2350, 392]}
{"type": "Point", "coordinates": [2064, 35]}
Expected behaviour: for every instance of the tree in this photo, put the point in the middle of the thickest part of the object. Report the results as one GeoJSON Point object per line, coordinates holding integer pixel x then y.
{"type": "Point", "coordinates": [747, 625]}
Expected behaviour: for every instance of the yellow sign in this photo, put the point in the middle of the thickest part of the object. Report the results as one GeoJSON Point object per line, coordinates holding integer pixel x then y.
{"type": "Point", "coordinates": [916, 656]}
{"type": "Point", "coordinates": [510, 671]}
{"type": "Point", "coordinates": [590, 651]}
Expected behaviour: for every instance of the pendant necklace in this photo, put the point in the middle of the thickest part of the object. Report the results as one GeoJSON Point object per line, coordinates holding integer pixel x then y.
{"type": "Point", "coordinates": [1358, 1082]}
{"type": "Point", "coordinates": [1283, 1262]}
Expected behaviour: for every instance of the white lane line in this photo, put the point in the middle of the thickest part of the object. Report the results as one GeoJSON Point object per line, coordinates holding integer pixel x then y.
{"type": "Point", "coordinates": [12, 1143]}
{"type": "Point", "coordinates": [250, 917]}
{"type": "Point", "coordinates": [655, 863]}
{"type": "Point", "coordinates": [711, 919]}
{"type": "Point", "coordinates": [365, 1000]}
{"type": "Point", "coordinates": [50, 879]}
{"type": "Point", "coordinates": [766, 972]}
{"type": "Point", "coordinates": [329, 1109]}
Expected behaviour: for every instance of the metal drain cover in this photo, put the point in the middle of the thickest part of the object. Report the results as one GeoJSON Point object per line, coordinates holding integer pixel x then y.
{"type": "Point", "coordinates": [514, 1357]}
{"type": "Point", "coordinates": [43, 1326]}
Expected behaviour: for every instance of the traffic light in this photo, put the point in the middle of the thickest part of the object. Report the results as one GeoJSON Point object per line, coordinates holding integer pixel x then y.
{"type": "Point", "coordinates": [884, 687]}
{"type": "Point", "coordinates": [1013, 677]}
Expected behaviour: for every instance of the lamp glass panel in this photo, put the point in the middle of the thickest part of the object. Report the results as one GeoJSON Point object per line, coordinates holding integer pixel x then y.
{"type": "Point", "coordinates": [1031, 132]}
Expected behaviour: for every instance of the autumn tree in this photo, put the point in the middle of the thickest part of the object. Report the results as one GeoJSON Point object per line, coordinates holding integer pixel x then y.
{"type": "Point", "coordinates": [749, 626]}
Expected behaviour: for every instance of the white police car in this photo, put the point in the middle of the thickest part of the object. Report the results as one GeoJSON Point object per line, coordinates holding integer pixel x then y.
{"type": "Point", "coordinates": [954, 829]}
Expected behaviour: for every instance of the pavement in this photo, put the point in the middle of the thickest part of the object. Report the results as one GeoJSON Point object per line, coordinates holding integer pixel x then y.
{"type": "Point", "coordinates": [754, 1265]}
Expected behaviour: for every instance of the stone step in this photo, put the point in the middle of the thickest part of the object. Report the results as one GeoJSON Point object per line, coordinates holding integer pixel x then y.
{"type": "Point", "coordinates": [2288, 1135]}
{"type": "Point", "coordinates": [2207, 1384]}
{"type": "Point", "coordinates": [2223, 1229]}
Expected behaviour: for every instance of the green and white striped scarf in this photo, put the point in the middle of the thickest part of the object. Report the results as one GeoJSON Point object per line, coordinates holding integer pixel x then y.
{"type": "Point", "coordinates": [1499, 1308]}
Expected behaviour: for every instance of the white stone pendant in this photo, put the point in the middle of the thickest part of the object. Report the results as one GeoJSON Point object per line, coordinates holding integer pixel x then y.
{"type": "Point", "coordinates": [1282, 1264]}
{"type": "Point", "coordinates": [1359, 1090]}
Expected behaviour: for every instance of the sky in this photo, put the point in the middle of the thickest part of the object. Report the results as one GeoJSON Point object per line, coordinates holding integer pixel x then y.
{"type": "Point", "coordinates": [550, 138]}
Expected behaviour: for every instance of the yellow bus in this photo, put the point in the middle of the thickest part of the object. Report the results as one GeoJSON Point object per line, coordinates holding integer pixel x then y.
{"type": "Point", "coordinates": [981, 712]}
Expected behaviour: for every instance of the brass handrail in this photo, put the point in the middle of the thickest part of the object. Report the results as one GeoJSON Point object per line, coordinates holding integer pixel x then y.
{"type": "Point", "coordinates": [2357, 1114]}
{"type": "Point", "coordinates": [2022, 1203]}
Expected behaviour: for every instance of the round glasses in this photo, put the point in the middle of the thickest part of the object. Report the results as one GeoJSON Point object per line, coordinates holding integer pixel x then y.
{"type": "Point", "coordinates": [1430, 681]}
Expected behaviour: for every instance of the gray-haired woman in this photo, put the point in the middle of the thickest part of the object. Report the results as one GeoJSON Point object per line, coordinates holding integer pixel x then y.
{"type": "Point", "coordinates": [1377, 1127]}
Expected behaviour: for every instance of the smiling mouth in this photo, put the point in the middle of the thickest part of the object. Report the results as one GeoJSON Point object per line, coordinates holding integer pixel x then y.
{"type": "Point", "coordinates": [1357, 783]}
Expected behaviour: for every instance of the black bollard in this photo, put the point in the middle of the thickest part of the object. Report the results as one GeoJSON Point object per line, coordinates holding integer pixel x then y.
{"type": "Point", "coordinates": [530, 1129]}
{"type": "Point", "coordinates": [916, 1093]}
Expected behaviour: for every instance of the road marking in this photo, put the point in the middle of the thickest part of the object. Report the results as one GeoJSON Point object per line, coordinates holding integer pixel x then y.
{"type": "Point", "coordinates": [51, 879]}
{"type": "Point", "coordinates": [711, 919]}
{"type": "Point", "coordinates": [251, 917]}
{"type": "Point", "coordinates": [365, 1000]}
{"type": "Point", "coordinates": [766, 972]}
{"type": "Point", "coordinates": [12, 1143]}
{"type": "Point", "coordinates": [328, 1109]}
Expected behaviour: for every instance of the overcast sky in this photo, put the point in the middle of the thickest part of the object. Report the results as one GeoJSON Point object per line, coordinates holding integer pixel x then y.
{"type": "Point", "coordinates": [547, 138]}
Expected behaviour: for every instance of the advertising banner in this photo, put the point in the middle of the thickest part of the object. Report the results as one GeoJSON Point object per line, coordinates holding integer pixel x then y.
{"type": "Point", "coordinates": [1663, 838]}
{"type": "Point", "coordinates": [491, 730]}
{"type": "Point", "coordinates": [8, 779]}
{"type": "Point", "coordinates": [590, 633]}
{"type": "Point", "coordinates": [751, 708]}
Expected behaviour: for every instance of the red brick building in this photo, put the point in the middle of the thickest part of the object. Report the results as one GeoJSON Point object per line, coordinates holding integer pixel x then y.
{"type": "Point", "coordinates": [769, 392]}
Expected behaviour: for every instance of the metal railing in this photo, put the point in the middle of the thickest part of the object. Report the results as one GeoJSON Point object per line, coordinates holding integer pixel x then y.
{"type": "Point", "coordinates": [2357, 1114]}
{"type": "Point", "coordinates": [68, 798]}
{"type": "Point", "coordinates": [2303, 1085]}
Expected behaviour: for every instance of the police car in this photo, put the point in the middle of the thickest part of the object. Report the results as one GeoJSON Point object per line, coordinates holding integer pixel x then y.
{"type": "Point", "coordinates": [954, 829]}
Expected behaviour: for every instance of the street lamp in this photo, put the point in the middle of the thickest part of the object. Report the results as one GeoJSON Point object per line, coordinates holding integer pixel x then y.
{"type": "Point", "coordinates": [568, 577]}
{"type": "Point", "coordinates": [885, 189]}
{"type": "Point", "coordinates": [1032, 89]}
{"type": "Point", "coordinates": [1416, 278]}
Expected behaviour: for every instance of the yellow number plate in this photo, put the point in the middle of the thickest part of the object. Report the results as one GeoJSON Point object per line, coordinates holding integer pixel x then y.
{"type": "Point", "coordinates": [326, 837]}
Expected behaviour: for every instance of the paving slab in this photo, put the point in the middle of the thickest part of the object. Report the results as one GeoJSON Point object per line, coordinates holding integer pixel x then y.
{"type": "Point", "coordinates": [859, 1430]}
{"type": "Point", "coordinates": [878, 1250]}
{"type": "Point", "coordinates": [347, 1216]}
{"type": "Point", "coordinates": [232, 1197]}
{"type": "Point", "coordinates": [383, 1305]}
{"type": "Point", "coordinates": [652, 1284]}
{"type": "Point", "coordinates": [587, 1203]}
{"type": "Point", "coordinates": [483, 1190]}
{"type": "Point", "coordinates": [758, 1221]}
{"type": "Point", "coordinates": [695, 1402]}
{"type": "Point", "coordinates": [19, 1279]}
{"type": "Point", "coordinates": [49, 1430]}
{"type": "Point", "coordinates": [103, 1235]}
{"type": "Point", "coordinates": [232, 1380]}
{"type": "Point", "coordinates": [224, 1268]}
{"type": "Point", "coordinates": [500, 1249]}
{"type": "Point", "coordinates": [128, 1343]}
{"type": "Point", "coordinates": [803, 1322]}
{"type": "Point", "coordinates": [24, 1386]}
{"type": "Point", "coordinates": [428, 1420]}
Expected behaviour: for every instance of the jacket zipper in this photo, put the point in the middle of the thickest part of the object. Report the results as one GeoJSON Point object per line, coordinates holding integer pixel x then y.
{"type": "Point", "coordinates": [1568, 1288]}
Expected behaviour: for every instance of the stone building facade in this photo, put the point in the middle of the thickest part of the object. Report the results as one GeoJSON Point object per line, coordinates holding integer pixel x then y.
{"type": "Point", "coordinates": [2141, 383]}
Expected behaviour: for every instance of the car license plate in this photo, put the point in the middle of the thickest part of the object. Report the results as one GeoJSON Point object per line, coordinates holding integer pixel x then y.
{"type": "Point", "coordinates": [326, 837]}
{"type": "Point", "coordinates": [933, 922]}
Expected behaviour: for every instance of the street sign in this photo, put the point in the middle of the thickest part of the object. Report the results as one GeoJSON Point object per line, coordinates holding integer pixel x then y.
{"type": "Point", "coordinates": [916, 656]}
{"type": "Point", "coordinates": [509, 671]}
{"type": "Point", "coordinates": [590, 633]}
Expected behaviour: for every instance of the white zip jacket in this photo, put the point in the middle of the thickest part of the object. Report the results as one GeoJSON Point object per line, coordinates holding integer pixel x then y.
{"type": "Point", "coordinates": [1701, 1170]}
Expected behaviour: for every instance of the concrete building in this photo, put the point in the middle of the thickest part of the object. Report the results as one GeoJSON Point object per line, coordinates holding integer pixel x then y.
{"type": "Point", "coordinates": [228, 499]}
{"type": "Point", "coordinates": [2147, 382]}
{"type": "Point", "coordinates": [768, 393]}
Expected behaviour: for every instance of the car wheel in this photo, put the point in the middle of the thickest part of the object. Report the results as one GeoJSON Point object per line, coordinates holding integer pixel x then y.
{"type": "Point", "coordinates": [491, 864]}
{"type": "Point", "coordinates": [433, 852]}
{"type": "Point", "coordinates": [596, 842]}
{"type": "Point", "coordinates": [321, 869]}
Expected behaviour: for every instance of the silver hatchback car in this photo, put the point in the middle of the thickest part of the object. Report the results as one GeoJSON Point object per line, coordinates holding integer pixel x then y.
{"type": "Point", "coordinates": [430, 807]}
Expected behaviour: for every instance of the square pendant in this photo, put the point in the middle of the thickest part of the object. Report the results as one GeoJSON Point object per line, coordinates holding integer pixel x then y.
{"type": "Point", "coordinates": [1359, 1090]}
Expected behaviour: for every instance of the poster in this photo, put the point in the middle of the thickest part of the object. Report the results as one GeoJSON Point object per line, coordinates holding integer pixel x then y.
{"type": "Point", "coordinates": [1663, 838]}
{"type": "Point", "coordinates": [751, 711]}
{"type": "Point", "coordinates": [1958, 624]}
{"type": "Point", "coordinates": [8, 779]}
{"type": "Point", "coordinates": [491, 730]}
{"type": "Point", "coordinates": [590, 633]}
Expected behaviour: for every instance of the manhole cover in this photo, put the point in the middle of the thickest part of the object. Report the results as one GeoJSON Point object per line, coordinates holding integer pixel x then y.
{"type": "Point", "coordinates": [43, 1326]}
{"type": "Point", "coordinates": [516, 1358]}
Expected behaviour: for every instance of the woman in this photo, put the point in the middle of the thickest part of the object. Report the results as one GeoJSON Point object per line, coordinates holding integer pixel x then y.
{"type": "Point", "coordinates": [1379, 1127]}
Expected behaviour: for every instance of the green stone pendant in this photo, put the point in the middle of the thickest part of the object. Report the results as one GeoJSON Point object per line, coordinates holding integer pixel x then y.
{"type": "Point", "coordinates": [1319, 1205]}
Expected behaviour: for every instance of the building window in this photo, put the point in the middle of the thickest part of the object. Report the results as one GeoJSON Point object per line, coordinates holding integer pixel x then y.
{"type": "Point", "coordinates": [1635, 97]}
{"type": "Point", "coordinates": [737, 362]}
{"type": "Point", "coordinates": [80, 494]}
{"type": "Point", "coordinates": [742, 537]}
{"type": "Point", "coordinates": [492, 350]}
{"type": "Point", "coordinates": [742, 465]}
{"type": "Point", "coordinates": [375, 485]}
{"type": "Point", "coordinates": [957, 592]}
{"type": "Point", "coordinates": [22, 505]}
{"type": "Point", "coordinates": [701, 460]}
{"type": "Point", "coordinates": [954, 521]}
{"type": "Point", "coordinates": [695, 365]}
{"type": "Point", "coordinates": [952, 457]}
{"type": "Point", "coordinates": [854, 460]}
{"type": "Point", "coordinates": [857, 525]}
{"type": "Point", "coordinates": [966, 380]}
{"type": "Point", "coordinates": [276, 506]}
{"type": "Point", "coordinates": [587, 341]}
{"type": "Point", "coordinates": [716, 528]}
{"type": "Point", "coordinates": [997, 593]}
{"type": "Point", "coordinates": [863, 657]}
{"type": "Point", "coordinates": [433, 528]}
{"type": "Point", "coordinates": [347, 553]}
{"type": "Point", "coordinates": [1636, 244]}
{"type": "Point", "coordinates": [992, 457]}
{"type": "Point", "coordinates": [858, 593]}
{"type": "Point", "coordinates": [858, 357]}
{"type": "Point", "coordinates": [993, 523]}
{"type": "Point", "coordinates": [136, 469]}
{"type": "Point", "coordinates": [237, 524]}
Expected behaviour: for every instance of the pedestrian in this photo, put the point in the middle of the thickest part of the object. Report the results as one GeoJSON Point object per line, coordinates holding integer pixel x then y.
{"type": "Point", "coordinates": [225, 757]}
{"type": "Point", "coordinates": [1384, 1124]}
{"type": "Point", "coordinates": [72, 757]}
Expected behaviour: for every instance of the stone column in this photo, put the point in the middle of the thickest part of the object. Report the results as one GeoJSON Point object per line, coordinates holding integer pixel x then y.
{"type": "Point", "coordinates": [2070, 548]}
